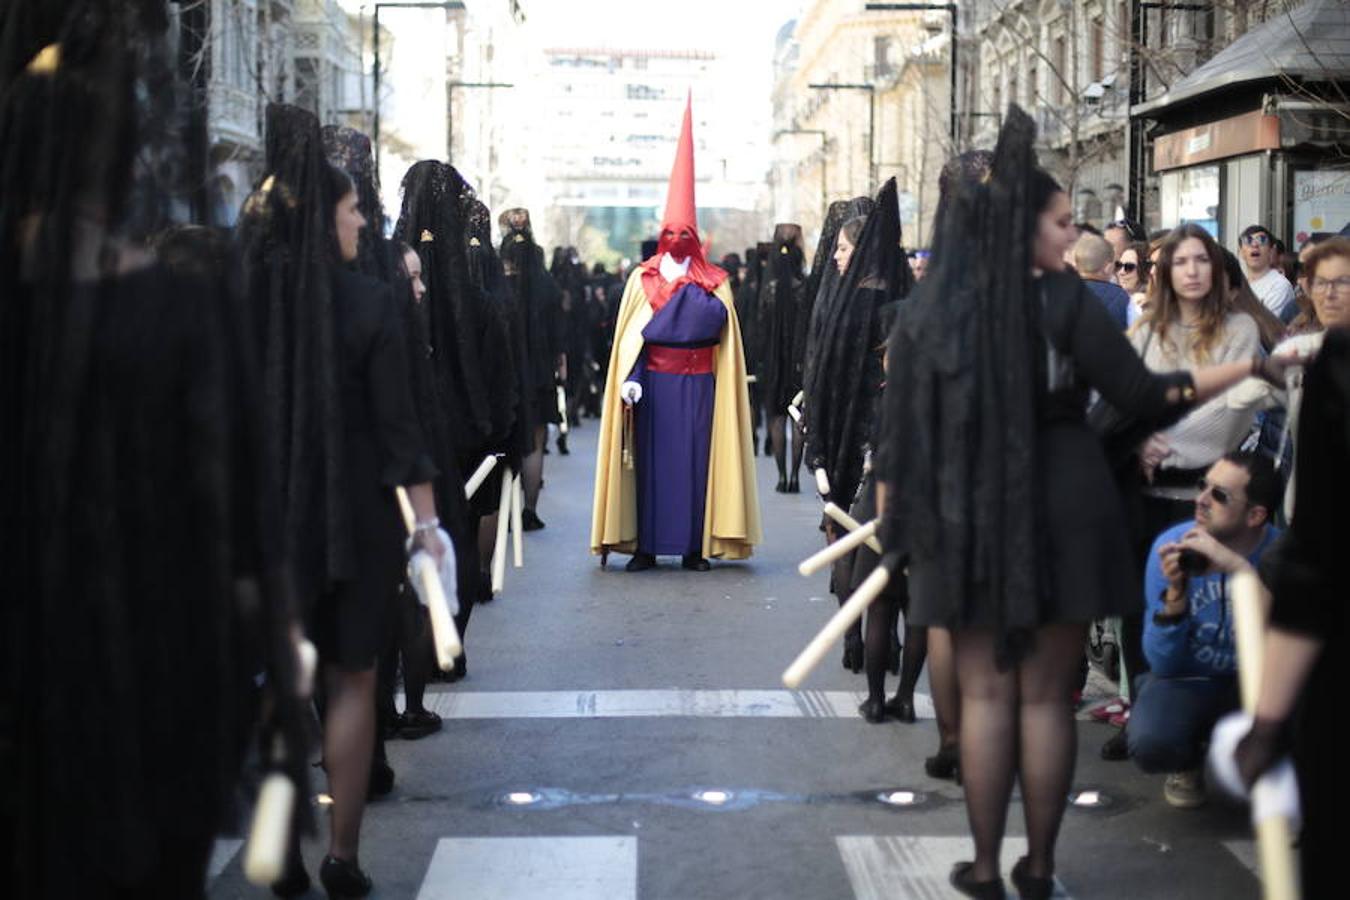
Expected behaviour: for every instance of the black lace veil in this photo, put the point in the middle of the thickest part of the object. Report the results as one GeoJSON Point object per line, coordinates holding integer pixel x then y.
{"type": "Point", "coordinates": [350, 151]}
{"type": "Point", "coordinates": [825, 277]}
{"type": "Point", "coordinates": [960, 424]}
{"type": "Point", "coordinates": [781, 297]}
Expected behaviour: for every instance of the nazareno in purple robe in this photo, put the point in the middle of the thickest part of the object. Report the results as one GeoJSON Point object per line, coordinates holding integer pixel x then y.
{"type": "Point", "coordinates": [673, 420]}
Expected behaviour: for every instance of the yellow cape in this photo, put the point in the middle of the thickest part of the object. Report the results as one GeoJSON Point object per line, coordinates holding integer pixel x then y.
{"type": "Point", "coordinates": [731, 521]}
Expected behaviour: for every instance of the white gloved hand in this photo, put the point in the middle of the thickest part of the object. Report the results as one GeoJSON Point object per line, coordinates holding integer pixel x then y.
{"type": "Point", "coordinates": [446, 569]}
{"type": "Point", "coordinates": [630, 392]}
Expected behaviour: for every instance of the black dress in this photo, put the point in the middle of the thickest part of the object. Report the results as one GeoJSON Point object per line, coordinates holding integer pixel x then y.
{"type": "Point", "coordinates": [1307, 577]}
{"type": "Point", "coordinates": [1080, 517]}
{"type": "Point", "coordinates": [383, 448]}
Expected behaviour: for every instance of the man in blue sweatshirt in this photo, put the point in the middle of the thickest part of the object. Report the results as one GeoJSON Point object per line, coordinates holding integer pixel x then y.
{"type": "Point", "coordinates": [1188, 626]}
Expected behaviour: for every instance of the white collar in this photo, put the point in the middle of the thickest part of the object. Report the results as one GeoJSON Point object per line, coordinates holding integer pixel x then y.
{"type": "Point", "coordinates": [671, 270]}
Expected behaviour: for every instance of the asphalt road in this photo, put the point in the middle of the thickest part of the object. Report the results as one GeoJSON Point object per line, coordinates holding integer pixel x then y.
{"type": "Point", "coordinates": [626, 735]}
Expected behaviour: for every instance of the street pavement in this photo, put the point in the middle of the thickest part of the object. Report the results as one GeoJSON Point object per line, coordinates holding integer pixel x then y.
{"type": "Point", "coordinates": [627, 736]}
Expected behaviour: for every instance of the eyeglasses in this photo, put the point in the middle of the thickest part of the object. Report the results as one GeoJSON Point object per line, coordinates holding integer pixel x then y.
{"type": "Point", "coordinates": [1259, 239]}
{"type": "Point", "coordinates": [1221, 495]}
{"type": "Point", "coordinates": [1322, 286]}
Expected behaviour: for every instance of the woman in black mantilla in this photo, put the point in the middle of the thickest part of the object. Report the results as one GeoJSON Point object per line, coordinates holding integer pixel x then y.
{"type": "Point", "coordinates": [848, 375]}
{"type": "Point", "coordinates": [140, 553]}
{"type": "Point", "coordinates": [469, 360]}
{"type": "Point", "coordinates": [344, 434]}
{"type": "Point", "coordinates": [536, 299]}
{"type": "Point", "coordinates": [782, 296]}
{"type": "Point", "coordinates": [997, 493]}
{"type": "Point", "coordinates": [747, 314]}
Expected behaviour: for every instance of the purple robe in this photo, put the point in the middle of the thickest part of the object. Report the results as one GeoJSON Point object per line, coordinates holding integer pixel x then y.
{"type": "Point", "coordinates": [673, 421]}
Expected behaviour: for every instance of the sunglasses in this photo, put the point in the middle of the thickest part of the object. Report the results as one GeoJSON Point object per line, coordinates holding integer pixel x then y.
{"type": "Point", "coordinates": [1129, 267]}
{"type": "Point", "coordinates": [1221, 495]}
{"type": "Point", "coordinates": [1260, 239]}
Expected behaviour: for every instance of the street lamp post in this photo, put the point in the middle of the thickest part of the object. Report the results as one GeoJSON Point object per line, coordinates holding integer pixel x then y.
{"type": "Point", "coordinates": [871, 122]}
{"type": "Point", "coordinates": [819, 132]}
{"type": "Point", "coordinates": [375, 41]}
{"type": "Point", "coordinates": [449, 119]}
{"type": "Point", "coordinates": [950, 9]}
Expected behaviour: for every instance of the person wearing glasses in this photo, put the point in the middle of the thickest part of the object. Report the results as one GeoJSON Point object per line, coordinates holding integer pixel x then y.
{"type": "Point", "coordinates": [1188, 629]}
{"type": "Point", "coordinates": [1121, 234]}
{"type": "Point", "coordinates": [1267, 281]}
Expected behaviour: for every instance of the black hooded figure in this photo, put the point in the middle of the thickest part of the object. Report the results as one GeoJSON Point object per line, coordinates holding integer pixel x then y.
{"type": "Point", "coordinates": [731, 264]}
{"type": "Point", "coordinates": [141, 557]}
{"type": "Point", "coordinates": [537, 303]}
{"type": "Point", "coordinates": [747, 313]}
{"type": "Point", "coordinates": [782, 295]}
{"type": "Point", "coordinates": [997, 493]}
{"type": "Point", "coordinates": [569, 274]}
{"type": "Point", "coordinates": [343, 434]}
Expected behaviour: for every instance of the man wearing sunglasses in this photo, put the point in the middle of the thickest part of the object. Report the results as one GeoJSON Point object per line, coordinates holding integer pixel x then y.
{"type": "Point", "coordinates": [1259, 253]}
{"type": "Point", "coordinates": [1188, 626]}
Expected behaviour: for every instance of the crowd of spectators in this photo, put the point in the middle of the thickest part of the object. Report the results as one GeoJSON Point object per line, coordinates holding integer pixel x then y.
{"type": "Point", "coordinates": [1212, 493]}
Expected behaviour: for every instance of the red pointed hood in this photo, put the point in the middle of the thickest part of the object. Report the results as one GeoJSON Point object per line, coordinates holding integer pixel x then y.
{"type": "Point", "coordinates": [681, 214]}
{"type": "Point", "coordinates": [681, 211]}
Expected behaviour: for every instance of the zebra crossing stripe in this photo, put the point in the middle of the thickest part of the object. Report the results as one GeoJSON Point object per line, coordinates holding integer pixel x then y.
{"type": "Point", "coordinates": [222, 852]}
{"type": "Point", "coordinates": [881, 867]}
{"type": "Point", "coordinates": [752, 704]}
{"type": "Point", "coordinates": [559, 868]}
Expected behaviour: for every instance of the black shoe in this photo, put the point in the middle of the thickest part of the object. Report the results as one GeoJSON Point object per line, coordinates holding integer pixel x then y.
{"type": "Point", "coordinates": [768, 445]}
{"type": "Point", "coordinates": [873, 711]}
{"type": "Point", "coordinates": [781, 486]}
{"type": "Point", "coordinates": [414, 725]}
{"type": "Point", "coordinates": [530, 521]}
{"type": "Point", "coordinates": [641, 562]}
{"type": "Point", "coordinates": [945, 764]}
{"type": "Point", "coordinates": [793, 486]}
{"type": "Point", "coordinates": [295, 881]}
{"type": "Point", "coordinates": [381, 780]}
{"type": "Point", "coordinates": [964, 881]}
{"type": "Point", "coordinates": [901, 708]}
{"type": "Point", "coordinates": [1116, 748]}
{"type": "Point", "coordinates": [461, 669]}
{"type": "Point", "coordinates": [342, 879]}
{"type": "Point", "coordinates": [1029, 887]}
{"type": "Point", "coordinates": [694, 563]}
{"type": "Point", "coordinates": [562, 445]}
{"type": "Point", "coordinates": [853, 653]}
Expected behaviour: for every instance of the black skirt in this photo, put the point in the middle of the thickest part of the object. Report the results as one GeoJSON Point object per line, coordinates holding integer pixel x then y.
{"type": "Point", "coordinates": [1091, 569]}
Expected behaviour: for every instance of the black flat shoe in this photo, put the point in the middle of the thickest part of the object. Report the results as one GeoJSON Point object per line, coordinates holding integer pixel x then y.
{"type": "Point", "coordinates": [295, 882]}
{"type": "Point", "coordinates": [419, 724]}
{"type": "Point", "coordinates": [1029, 887]}
{"type": "Point", "coordinates": [853, 653]}
{"type": "Point", "coordinates": [964, 881]}
{"type": "Point", "coordinates": [794, 486]}
{"type": "Point", "coordinates": [901, 708]}
{"type": "Point", "coordinates": [461, 669]}
{"type": "Point", "coordinates": [873, 711]}
{"type": "Point", "coordinates": [343, 879]}
{"type": "Point", "coordinates": [781, 486]}
{"type": "Point", "coordinates": [945, 764]}
{"type": "Point", "coordinates": [694, 563]}
{"type": "Point", "coordinates": [530, 521]}
{"type": "Point", "coordinates": [640, 562]}
{"type": "Point", "coordinates": [562, 446]}
{"type": "Point", "coordinates": [1117, 747]}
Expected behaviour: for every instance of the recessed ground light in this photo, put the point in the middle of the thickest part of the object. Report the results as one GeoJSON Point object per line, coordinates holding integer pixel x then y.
{"type": "Point", "coordinates": [522, 798]}
{"type": "Point", "coordinates": [324, 800]}
{"type": "Point", "coordinates": [898, 798]}
{"type": "Point", "coordinates": [1088, 799]}
{"type": "Point", "coordinates": [713, 798]}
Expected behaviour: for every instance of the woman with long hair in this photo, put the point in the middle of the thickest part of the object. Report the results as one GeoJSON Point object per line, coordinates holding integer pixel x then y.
{"type": "Point", "coordinates": [997, 494]}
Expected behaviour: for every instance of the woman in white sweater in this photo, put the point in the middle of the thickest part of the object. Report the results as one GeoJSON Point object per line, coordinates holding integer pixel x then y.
{"type": "Point", "coordinates": [1190, 324]}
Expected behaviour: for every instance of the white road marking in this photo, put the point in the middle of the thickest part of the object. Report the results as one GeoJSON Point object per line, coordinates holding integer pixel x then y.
{"type": "Point", "coordinates": [881, 867]}
{"type": "Point", "coordinates": [559, 868]}
{"type": "Point", "coordinates": [222, 852]}
{"type": "Point", "coordinates": [751, 704]}
{"type": "Point", "coordinates": [1245, 853]}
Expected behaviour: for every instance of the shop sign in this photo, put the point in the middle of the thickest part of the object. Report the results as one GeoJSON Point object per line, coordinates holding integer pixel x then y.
{"type": "Point", "coordinates": [1321, 201]}
{"type": "Point", "coordinates": [1247, 133]}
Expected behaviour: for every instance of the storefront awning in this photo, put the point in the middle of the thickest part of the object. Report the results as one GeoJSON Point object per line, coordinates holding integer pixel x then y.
{"type": "Point", "coordinates": [1309, 43]}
